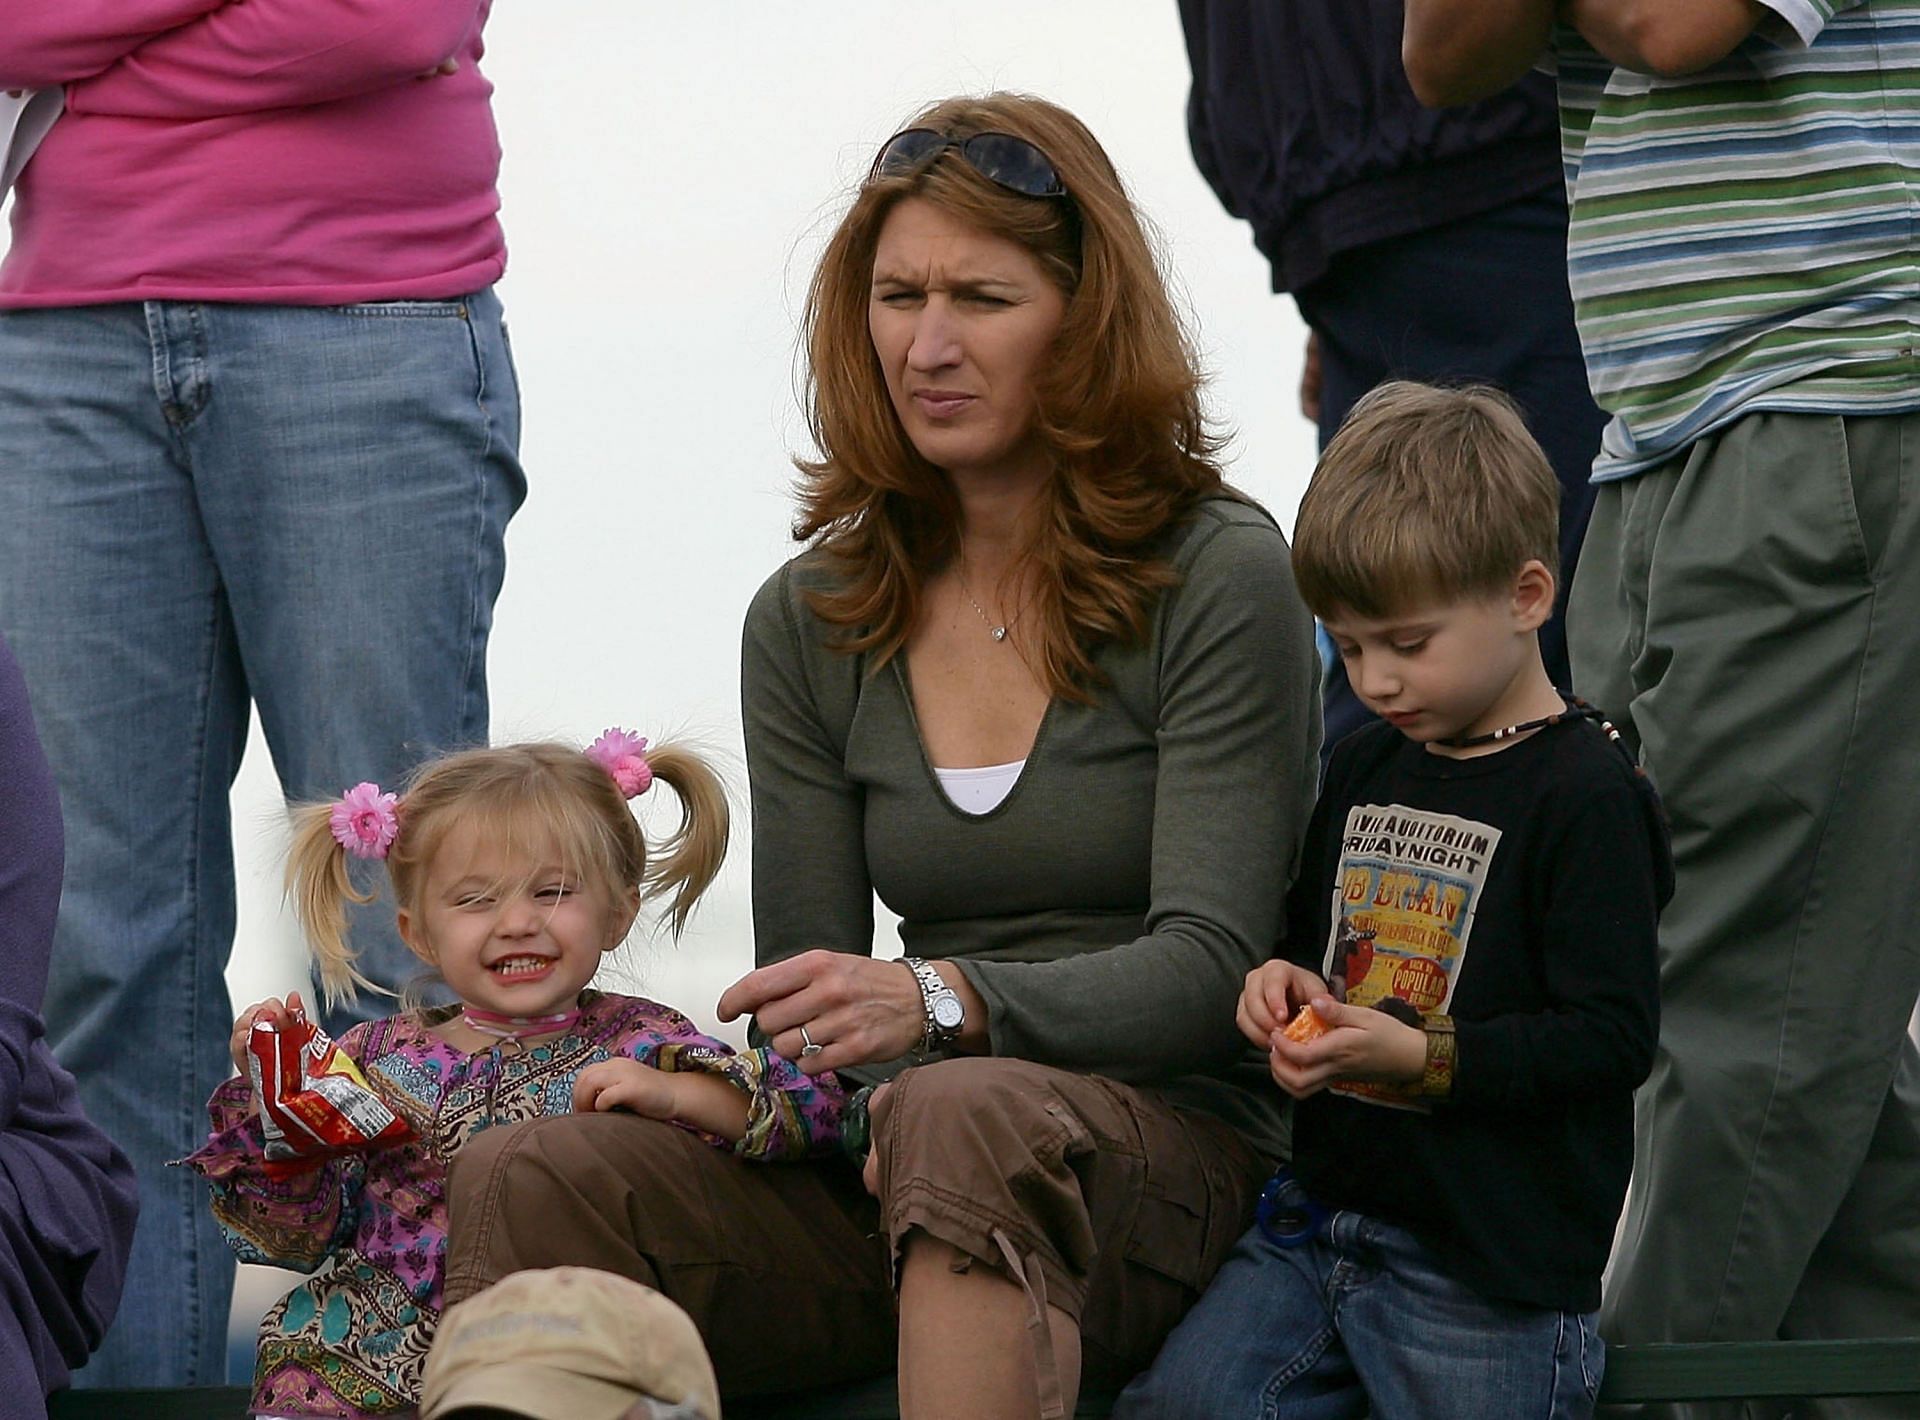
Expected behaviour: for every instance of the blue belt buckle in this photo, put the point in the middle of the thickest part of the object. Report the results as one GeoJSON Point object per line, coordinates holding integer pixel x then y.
{"type": "Point", "coordinates": [1285, 1212]}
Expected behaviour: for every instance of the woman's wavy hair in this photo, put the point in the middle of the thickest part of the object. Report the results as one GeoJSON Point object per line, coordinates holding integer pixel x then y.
{"type": "Point", "coordinates": [1117, 407]}
{"type": "Point", "coordinates": [536, 798]}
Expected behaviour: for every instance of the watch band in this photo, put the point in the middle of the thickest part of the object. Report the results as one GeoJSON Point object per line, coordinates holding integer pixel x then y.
{"type": "Point", "coordinates": [1436, 1081]}
{"type": "Point", "coordinates": [943, 1014]}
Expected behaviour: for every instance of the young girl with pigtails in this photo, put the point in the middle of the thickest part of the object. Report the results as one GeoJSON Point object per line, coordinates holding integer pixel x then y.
{"type": "Point", "coordinates": [514, 871]}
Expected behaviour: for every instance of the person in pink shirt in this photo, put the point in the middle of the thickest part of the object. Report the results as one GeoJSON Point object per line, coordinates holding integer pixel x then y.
{"type": "Point", "coordinates": [259, 425]}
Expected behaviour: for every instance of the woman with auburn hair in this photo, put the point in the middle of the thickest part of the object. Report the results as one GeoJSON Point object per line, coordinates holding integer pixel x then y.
{"type": "Point", "coordinates": [1043, 682]}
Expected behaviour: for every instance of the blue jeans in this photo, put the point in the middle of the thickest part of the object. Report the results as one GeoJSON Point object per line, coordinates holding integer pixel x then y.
{"type": "Point", "coordinates": [1362, 1321]}
{"type": "Point", "coordinates": [205, 508]}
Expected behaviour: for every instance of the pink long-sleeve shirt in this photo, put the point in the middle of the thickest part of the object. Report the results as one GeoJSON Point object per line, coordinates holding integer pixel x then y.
{"type": "Point", "coordinates": [282, 151]}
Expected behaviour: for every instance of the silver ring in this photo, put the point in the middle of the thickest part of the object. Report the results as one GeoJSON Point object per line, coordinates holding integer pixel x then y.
{"type": "Point", "coordinates": [809, 1049]}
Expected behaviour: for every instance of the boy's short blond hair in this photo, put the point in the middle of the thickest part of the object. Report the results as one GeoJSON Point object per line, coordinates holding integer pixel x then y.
{"type": "Point", "coordinates": [1425, 495]}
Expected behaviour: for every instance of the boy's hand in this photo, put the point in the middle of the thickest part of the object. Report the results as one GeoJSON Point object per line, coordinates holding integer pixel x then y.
{"type": "Point", "coordinates": [1360, 1044]}
{"type": "Point", "coordinates": [625, 1084]}
{"type": "Point", "coordinates": [1273, 992]}
{"type": "Point", "coordinates": [272, 1010]}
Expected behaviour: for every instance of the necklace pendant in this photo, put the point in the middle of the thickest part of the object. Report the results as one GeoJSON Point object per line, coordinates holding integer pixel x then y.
{"type": "Point", "coordinates": [999, 633]}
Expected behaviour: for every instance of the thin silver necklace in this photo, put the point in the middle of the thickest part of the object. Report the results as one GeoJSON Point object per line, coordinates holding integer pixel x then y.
{"type": "Point", "coordinates": [998, 633]}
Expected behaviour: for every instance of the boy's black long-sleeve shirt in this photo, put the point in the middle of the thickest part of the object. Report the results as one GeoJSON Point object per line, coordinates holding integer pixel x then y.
{"type": "Point", "coordinates": [1517, 892]}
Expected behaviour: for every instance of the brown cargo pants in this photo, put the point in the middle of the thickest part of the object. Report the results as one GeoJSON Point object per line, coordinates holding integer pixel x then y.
{"type": "Point", "coordinates": [1113, 1206]}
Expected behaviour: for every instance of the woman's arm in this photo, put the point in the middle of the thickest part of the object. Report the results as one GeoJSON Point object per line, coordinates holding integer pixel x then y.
{"type": "Point", "coordinates": [49, 42]}
{"type": "Point", "coordinates": [810, 883]}
{"type": "Point", "coordinates": [267, 54]}
{"type": "Point", "coordinates": [1238, 739]}
{"type": "Point", "coordinates": [812, 896]}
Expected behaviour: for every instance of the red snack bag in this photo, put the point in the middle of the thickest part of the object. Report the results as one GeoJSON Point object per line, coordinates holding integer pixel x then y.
{"type": "Point", "coordinates": [314, 1102]}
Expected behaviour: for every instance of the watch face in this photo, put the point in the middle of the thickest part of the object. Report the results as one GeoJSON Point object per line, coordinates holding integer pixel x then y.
{"type": "Point", "coordinates": [947, 1012]}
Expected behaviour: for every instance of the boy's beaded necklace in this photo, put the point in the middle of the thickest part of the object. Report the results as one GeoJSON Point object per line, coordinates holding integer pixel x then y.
{"type": "Point", "coordinates": [1574, 709]}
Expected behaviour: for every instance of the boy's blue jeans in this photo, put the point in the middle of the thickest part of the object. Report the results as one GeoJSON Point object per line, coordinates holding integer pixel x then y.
{"type": "Point", "coordinates": [207, 509]}
{"type": "Point", "coordinates": [1361, 1321]}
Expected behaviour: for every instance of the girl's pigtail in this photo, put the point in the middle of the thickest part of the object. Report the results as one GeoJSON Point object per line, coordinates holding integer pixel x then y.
{"type": "Point", "coordinates": [686, 861]}
{"type": "Point", "coordinates": [318, 884]}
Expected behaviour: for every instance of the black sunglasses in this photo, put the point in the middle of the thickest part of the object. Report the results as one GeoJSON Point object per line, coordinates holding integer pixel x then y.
{"type": "Point", "coordinates": [1012, 162]}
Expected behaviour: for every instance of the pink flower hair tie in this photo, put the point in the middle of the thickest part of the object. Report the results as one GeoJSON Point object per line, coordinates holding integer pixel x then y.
{"type": "Point", "coordinates": [623, 755]}
{"type": "Point", "coordinates": [365, 821]}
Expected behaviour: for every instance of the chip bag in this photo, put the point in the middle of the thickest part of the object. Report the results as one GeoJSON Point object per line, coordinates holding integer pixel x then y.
{"type": "Point", "coordinates": [314, 1102]}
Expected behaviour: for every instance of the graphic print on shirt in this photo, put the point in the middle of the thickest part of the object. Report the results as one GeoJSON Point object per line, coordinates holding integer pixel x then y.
{"type": "Point", "coordinates": [1403, 905]}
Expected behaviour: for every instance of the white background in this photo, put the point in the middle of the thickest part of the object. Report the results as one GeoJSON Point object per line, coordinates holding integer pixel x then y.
{"type": "Point", "coordinates": [670, 174]}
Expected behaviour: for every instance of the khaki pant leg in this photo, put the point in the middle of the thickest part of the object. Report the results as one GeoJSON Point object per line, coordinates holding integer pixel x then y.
{"type": "Point", "coordinates": [1859, 1281]}
{"type": "Point", "coordinates": [1603, 606]}
{"type": "Point", "coordinates": [1768, 618]}
{"type": "Point", "coordinates": [779, 1265]}
{"type": "Point", "coordinates": [1124, 1205]}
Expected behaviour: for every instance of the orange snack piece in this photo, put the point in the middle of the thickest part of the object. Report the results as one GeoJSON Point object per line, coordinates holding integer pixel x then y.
{"type": "Point", "coordinates": [1306, 1025]}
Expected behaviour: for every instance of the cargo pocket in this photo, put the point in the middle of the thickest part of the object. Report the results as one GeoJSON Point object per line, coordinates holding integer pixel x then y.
{"type": "Point", "coordinates": [1182, 1230]}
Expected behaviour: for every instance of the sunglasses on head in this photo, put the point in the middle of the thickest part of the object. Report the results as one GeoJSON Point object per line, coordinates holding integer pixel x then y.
{"type": "Point", "coordinates": [1012, 162]}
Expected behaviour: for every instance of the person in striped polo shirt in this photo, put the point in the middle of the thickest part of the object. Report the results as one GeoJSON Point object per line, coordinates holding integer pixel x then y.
{"type": "Point", "coordinates": [1744, 253]}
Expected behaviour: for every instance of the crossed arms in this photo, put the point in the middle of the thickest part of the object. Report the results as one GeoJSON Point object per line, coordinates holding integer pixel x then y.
{"type": "Point", "coordinates": [199, 58]}
{"type": "Point", "coordinates": [1456, 51]}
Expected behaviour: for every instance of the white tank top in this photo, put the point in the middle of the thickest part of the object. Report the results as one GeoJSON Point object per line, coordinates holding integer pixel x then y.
{"type": "Point", "coordinates": [981, 790]}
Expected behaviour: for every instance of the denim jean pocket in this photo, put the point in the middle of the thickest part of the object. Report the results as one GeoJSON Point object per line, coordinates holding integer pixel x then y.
{"type": "Point", "coordinates": [406, 310]}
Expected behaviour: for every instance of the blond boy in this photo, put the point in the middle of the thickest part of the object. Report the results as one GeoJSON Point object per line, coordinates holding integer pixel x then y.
{"type": "Point", "coordinates": [1489, 864]}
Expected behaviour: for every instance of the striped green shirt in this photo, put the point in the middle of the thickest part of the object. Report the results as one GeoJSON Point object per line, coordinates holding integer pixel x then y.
{"type": "Point", "coordinates": [1744, 237]}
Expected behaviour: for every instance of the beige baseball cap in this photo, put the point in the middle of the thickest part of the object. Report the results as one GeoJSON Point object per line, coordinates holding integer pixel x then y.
{"type": "Point", "coordinates": [567, 1343]}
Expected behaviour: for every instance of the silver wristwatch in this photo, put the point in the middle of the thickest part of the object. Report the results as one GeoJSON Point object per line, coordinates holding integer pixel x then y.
{"type": "Point", "coordinates": [946, 1016]}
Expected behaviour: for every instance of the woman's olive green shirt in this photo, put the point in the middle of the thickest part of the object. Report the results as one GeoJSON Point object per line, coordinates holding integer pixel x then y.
{"type": "Point", "coordinates": [1109, 909]}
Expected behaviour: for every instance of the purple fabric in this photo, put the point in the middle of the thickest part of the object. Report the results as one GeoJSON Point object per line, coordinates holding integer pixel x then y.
{"type": "Point", "coordinates": [67, 1201]}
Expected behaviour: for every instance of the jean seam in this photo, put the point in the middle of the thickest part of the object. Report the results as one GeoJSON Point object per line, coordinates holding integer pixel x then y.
{"type": "Point", "coordinates": [475, 593]}
{"type": "Point", "coordinates": [157, 356]}
{"type": "Point", "coordinates": [195, 876]}
{"type": "Point", "coordinates": [1307, 1358]}
{"type": "Point", "coordinates": [1590, 1345]}
{"type": "Point", "coordinates": [405, 310]}
{"type": "Point", "coordinates": [1562, 1363]}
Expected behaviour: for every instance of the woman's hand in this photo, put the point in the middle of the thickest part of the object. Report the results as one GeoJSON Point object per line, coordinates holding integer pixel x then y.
{"type": "Point", "coordinates": [1360, 1044]}
{"type": "Point", "coordinates": [624, 1084]}
{"type": "Point", "coordinates": [1273, 994]}
{"type": "Point", "coordinates": [857, 1010]}
{"type": "Point", "coordinates": [272, 1010]}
